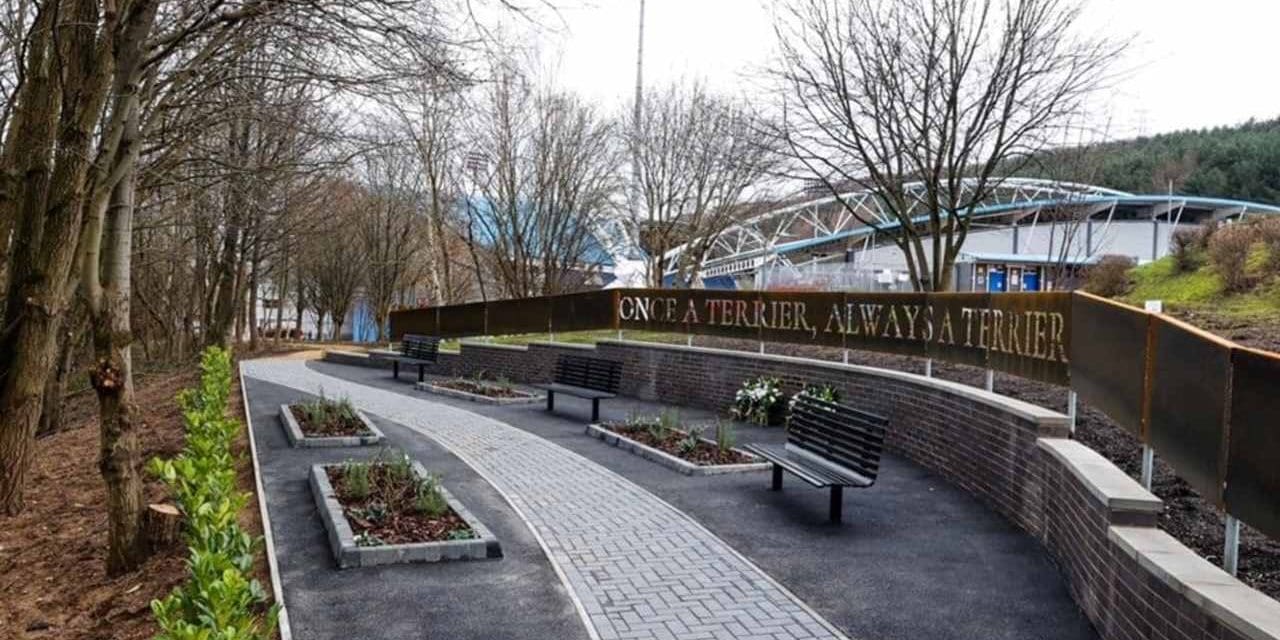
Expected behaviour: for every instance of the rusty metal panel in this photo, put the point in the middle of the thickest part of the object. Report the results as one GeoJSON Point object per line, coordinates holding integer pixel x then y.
{"type": "Point", "coordinates": [422, 321]}
{"type": "Point", "coordinates": [887, 322]}
{"type": "Point", "coordinates": [1028, 335]}
{"type": "Point", "coordinates": [802, 317]}
{"type": "Point", "coordinates": [518, 315]}
{"type": "Point", "coordinates": [660, 310]}
{"type": "Point", "coordinates": [717, 312]}
{"type": "Point", "coordinates": [582, 311]}
{"type": "Point", "coordinates": [953, 327]}
{"type": "Point", "coordinates": [462, 320]}
{"type": "Point", "coordinates": [1253, 461]}
{"type": "Point", "coordinates": [1190, 376]}
{"type": "Point", "coordinates": [1109, 358]}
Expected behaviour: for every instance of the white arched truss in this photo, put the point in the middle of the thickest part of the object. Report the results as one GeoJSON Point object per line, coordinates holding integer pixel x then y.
{"type": "Point", "coordinates": [765, 238]}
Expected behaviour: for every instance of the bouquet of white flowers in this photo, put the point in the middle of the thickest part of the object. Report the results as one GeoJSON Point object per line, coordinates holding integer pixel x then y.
{"type": "Point", "coordinates": [756, 400]}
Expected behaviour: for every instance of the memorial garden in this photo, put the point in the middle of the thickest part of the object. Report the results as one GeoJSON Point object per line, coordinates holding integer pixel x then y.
{"type": "Point", "coordinates": [642, 320]}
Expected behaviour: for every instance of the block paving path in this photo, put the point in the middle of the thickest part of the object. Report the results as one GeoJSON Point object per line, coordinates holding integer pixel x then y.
{"type": "Point", "coordinates": [636, 566]}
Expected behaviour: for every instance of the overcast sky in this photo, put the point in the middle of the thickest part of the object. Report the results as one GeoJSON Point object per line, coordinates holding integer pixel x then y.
{"type": "Point", "coordinates": [1191, 63]}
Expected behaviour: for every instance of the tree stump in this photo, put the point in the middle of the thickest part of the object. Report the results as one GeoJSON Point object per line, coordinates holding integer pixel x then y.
{"type": "Point", "coordinates": [162, 525]}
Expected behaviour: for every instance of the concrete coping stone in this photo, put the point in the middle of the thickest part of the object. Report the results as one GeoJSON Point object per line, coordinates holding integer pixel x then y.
{"type": "Point", "coordinates": [1050, 421]}
{"type": "Point", "coordinates": [672, 462]}
{"type": "Point", "coordinates": [293, 430]}
{"type": "Point", "coordinates": [1107, 483]}
{"type": "Point", "coordinates": [348, 554]}
{"type": "Point", "coordinates": [551, 344]}
{"type": "Point", "coordinates": [1231, 602]}
{"type": "Point", "coordinates": [477, 344]}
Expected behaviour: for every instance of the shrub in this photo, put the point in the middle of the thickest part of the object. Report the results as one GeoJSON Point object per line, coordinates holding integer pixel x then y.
{"type": "Point", "coordinates": [1229, 252]}
{"type": "Point", "coordinates": [218, 600]}
{"type": "Point", "coordinates": [1186, 246]}
{"type": "Point", "coordinates": [1110, 276]}
{"type": "Point", "coordinates": [1269, 232]}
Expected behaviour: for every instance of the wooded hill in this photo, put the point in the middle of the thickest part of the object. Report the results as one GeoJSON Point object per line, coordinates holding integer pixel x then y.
{"type": "Point", "coordinates": [1240, 162]}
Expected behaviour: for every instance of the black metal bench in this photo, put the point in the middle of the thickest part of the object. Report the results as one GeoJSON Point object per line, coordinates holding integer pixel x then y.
{"type": "Point", "coordinates": [414, 350]}
{"type": "Point", "coordinates": [594, 379]}
{"type": "Point", "coordinates": [828, 445]}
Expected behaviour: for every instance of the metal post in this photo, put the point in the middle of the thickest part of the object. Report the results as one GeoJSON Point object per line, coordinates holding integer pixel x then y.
{"type": "Point", "coordinates": [846, 356]}
{"type": "Point", "coordinates": [1071, 408]}
{"type": "Point", "coordinates": [1148, 464]}
{"type": "Point", "coordinates": [762, 346]}
{"type": "Point", "coordinates": [928, 367]}
{"type": "Point", "coordinates": [991, 380]}
{"type": "Point", "coordinates": [1231, 548]}
{"type": "Point", "coordinates": [688, 340]}
{"type": "Point", "coordinates": [619, 334]}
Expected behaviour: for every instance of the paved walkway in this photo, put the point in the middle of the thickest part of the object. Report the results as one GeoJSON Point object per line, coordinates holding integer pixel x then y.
{"type": "Point", "coordinates": [636, 566]}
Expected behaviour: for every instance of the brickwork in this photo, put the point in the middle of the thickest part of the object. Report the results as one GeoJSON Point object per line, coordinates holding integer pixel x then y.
{"type": "Point", "coordinates": [1008, 453]}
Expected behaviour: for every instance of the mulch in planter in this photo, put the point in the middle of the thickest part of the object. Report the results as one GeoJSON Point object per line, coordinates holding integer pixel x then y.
{"type": "Point", "coordinates": [481, 389]}
{"type": "Point", "coordinates": [329, 429]}
{"type": "Point", "coordinates": [388, 512]}
{"type": "Point", "coordinates": [704, 454]}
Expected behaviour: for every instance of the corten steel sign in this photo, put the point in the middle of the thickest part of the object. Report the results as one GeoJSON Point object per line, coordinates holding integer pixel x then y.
{"type": "Point", "coordinates": [1207, 406]}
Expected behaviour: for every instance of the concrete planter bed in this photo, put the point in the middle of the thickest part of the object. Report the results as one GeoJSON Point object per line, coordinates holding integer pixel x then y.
{"type": "Point", "coordinates": [479, 392]}
{"type": "Point", "coordinates": [672, 461]}
{"type": "Point", "coordinates": [298, 438]}
{"type": "Point", "coordinates": [348, 552]}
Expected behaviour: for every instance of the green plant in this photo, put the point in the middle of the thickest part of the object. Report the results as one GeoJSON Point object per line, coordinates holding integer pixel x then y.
{"type": "Point", "coordinates": [689, 443]}
{"type": "Point", "coordinates": [461, 534]}
{"type": "Point", "coordinates": [756, 400]}
{"type": "Point", "coordinates": [725, 437]}
{"type": "Point", "coordinates": [428, 499]}
{"type": "Point", "coordinates": [355, 476]}
{"type": "Point", "coordinates": [219, 601]}
{"type": "Point", "coordinates": [400, 467]}
{"type": "Point", "coordinates": [323, 411]}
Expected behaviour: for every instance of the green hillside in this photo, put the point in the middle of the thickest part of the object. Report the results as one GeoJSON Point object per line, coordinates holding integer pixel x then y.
{"type": "Point", "coordinates": [1201, 290]}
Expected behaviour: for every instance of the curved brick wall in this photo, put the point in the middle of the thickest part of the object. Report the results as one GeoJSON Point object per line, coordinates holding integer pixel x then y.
{"type": "Point", "coordinates": [1130, 578]}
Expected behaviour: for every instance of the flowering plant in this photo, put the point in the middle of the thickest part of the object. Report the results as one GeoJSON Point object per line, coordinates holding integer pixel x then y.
{"type": "Point", "coordinates": [757, 400]}
{"type": "Point", "coordinates": [823, 392]}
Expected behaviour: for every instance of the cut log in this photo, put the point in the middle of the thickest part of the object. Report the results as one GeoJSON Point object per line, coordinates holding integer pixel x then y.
{"type": "Point", "coordinates": [162, 525]}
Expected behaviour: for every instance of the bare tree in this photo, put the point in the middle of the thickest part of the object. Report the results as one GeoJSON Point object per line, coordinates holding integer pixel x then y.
{"type": "Point", "coordinates": [390, 225]}
{"type": "Point", "coordinates": [950, 93]}
{"type": "Point", "coordinates": [551, 180]}
{"type": "Point", "coordinates": [696, 158]}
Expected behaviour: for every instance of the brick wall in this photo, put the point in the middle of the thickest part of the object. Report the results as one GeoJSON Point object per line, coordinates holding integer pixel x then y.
{"type": "Point", "coordinates": [1131, 579]}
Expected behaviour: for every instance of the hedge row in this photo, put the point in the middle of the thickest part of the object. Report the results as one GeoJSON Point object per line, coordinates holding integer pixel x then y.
{"type": "Point", "coordinates": [220, 600]}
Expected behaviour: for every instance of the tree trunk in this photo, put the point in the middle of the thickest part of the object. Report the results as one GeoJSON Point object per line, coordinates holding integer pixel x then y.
{"type": "Point", "coordinates": [253, 300]}
{"type": "Point", "coordinates": [55, 390]}
{"type": "Point", "coordinates": [112, 378]}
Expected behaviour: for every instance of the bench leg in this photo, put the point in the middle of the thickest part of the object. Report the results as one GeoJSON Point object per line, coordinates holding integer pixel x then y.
{"type": "Point", "coordinates": [777, 478]}
{"type": "Point", "coordinates": [837, 503]}
{"type": "Point", "coordinates": [551, 400]}
{"type": "Point", "coordinates": [595, 410]}
{"type": "Point", "coordinates": [421, 377]}
{"type": "Point", "coordinates": [395, 369]}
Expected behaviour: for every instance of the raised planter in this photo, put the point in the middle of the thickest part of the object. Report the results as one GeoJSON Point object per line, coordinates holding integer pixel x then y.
{"type": "Point", "coordinates": [438, 388]}
{"type": "Point", "coordinates": [671, 461]}
{"type": "Point", "coordinates": [293, 430]}
{"type": "Point", "coordinates": [349, 554]}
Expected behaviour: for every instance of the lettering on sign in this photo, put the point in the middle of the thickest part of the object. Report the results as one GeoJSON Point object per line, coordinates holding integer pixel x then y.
{"type": "Point", "coordinates": [1026, 333]}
